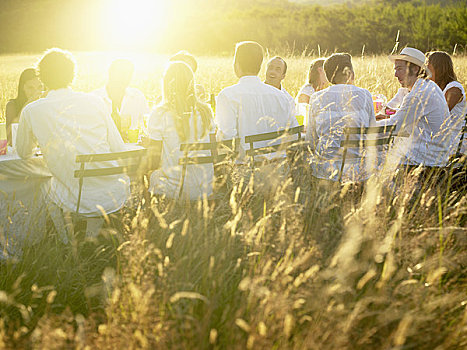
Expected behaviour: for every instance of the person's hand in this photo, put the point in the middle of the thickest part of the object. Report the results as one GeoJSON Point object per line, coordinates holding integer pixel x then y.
{"type": "Point", "coordinates": [382, 116]}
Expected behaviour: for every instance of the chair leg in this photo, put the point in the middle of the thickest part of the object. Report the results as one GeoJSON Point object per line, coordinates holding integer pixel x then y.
{"type": "Point", "coordinates": [62, 222]}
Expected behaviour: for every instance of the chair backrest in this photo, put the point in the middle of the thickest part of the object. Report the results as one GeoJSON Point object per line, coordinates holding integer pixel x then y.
{"type": "Point", "coordinates": [132, 163]}
{"type": "Point", "coordinates": [219, 152]}
{"type": "Point", "coordinates": [280, 135]}
{"type": "Point", "coordinates": [386, 130]}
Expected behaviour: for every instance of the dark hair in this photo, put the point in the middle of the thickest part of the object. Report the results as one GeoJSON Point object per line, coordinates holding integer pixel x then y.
{"type": "Point", "coordinates": [313, 74]}
{"type": "Point", "coordinates": [279, 58]}
{"type": "Point", "coordinates": [56, 69]}
{"type": "Point", "coordinates": [443, 66]}
{"type": "Point", "coordinates": [335, 66]}
{"type": "Point", "coordinates": [21, 98]}
{"type": "Point", "coordinates": [249, 56]}
{"type": "Point", "coordinates": [188, 58]}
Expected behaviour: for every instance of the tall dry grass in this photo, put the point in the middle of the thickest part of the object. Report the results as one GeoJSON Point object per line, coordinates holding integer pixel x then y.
{"type": "Point", "coordinates": [301, 265]}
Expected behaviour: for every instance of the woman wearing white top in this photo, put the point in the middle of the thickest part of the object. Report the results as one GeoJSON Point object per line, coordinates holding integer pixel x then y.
{"type": "Point", "coordinates": [441, 67]}
{"type": "Point", "coordinates": [316, 81]}
{"type": "Point", "coordinates": [331, 110]}
{"type": "Point", "coordinates": [180, 118]}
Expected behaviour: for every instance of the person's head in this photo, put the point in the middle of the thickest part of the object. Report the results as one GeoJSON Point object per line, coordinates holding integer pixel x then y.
{"type": "Point", "coordinates": [316, 76]}
{"type": "Point", "coordinates": [29, 87]}
{"type": "Point", "coordinates": [120, 73]}
{"type": "Point", "coordinates": [178, 87]}
{"type": "Point", "coordinates": [275, 71]}
{"type": "Point", "coordinates": [441, 68]}
{"type": "Point", "coordinates": [338, 68]}
{"type": "Point", "coordinates": [56, 69]}
{"type": "Point", "coordinates": [408, 66]}
{"type": "Point", "coordinates": [248, 58]}
{"type": "Point", "coordinates": [188, 58]}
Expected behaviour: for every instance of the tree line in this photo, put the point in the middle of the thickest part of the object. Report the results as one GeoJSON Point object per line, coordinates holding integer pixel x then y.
{"type": "Point", "coordinates": [213, 27]}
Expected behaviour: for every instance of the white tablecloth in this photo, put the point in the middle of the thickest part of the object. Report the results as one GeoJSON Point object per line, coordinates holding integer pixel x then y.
{"type": "Point", "coordinates": [22, 204]}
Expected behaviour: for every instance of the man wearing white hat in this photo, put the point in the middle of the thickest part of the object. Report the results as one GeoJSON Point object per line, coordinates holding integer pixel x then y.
{"type": "Point", "coordinates": [422, 115]}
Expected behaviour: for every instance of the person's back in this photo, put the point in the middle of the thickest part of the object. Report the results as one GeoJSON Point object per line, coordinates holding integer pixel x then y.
{"type": "Point", "coordinates": [251, 107]}
{"type": "Point", "coordinates": [181, 118]}
{"type": "Point", "coordinates": [64, 124]}
{"type": "Point", "coordinates": [333, 109]}
{"type": "Point", "coordinates": [166, 180]}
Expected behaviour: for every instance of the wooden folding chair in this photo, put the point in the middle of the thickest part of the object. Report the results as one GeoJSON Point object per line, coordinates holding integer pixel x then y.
{"type": "Point", "coordinates": [280, 135]}
{"type": "Point", "coordinates": [132, 163]}
{"type": "Point", "coordinates": [219, 152]}
{"type": "Point", "coordinates": [364, 143]}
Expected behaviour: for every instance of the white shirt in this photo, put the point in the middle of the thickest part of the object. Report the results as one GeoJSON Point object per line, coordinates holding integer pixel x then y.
{"type": "Point", "coordinates": [398, 98]}
{"type": "Point", "coordinates": [64, 124]}
{"type": "Point", "coordinates": [167, 179]}
{"type": "Point", "coordinates": [458, 117]}
{"type": "Point", "coordinates": [251, 107]}
{"type": "Point", "coordinates": [307, 90]}
{"type": "Point", "coordinates": [423, 117]}
{"type": "Point", "coordinates": [289, 96]}
{"type": "Point", "coordinates": [134, 104]}
{"type": "Point", "coordinates": [331, 110]}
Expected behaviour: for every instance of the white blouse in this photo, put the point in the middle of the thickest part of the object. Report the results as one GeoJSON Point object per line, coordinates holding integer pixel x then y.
{"type": "Point", "coordinates": [458, 114]}
{"type": "Point", "coordinates": [167, 179]}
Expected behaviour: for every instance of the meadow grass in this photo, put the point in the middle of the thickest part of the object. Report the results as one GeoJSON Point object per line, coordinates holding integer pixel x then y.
{"type": "Point", "coordinates": [299, 264]}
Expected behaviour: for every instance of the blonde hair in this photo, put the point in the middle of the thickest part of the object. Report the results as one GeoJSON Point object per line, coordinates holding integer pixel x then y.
{"type": "Point", "coordinates": [179, 98]}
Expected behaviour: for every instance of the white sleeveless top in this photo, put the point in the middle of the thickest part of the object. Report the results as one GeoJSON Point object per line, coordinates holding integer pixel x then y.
{"type": "Point", "coordinates": [458, 117]}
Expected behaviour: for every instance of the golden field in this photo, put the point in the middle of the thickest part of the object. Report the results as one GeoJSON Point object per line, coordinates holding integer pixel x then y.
{"type": "Point", "coordinates": [296, 266]}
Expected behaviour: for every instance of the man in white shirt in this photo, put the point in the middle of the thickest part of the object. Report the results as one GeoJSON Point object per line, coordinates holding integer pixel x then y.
{"type": "Point", "coordinates": [422, 117]}
{"type": "Point", "coordinates": [127, 105]}
{"type": "Point", "coordinates": [275, 73]}
{"type": "Point", "coordinates": [251, 107]}
{"type": "Point", "coordinates": [64, 124]}
{"type": "Point", "coordinates": [331, 110]}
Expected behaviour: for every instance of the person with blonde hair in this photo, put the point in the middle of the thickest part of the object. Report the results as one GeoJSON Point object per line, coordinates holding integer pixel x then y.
{"type": "Point", "coordinates": [179, 118]}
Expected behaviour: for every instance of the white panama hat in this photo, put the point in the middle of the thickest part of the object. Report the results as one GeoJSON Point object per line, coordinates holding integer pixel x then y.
{"type": "Point", "coordinates": [411, 55]}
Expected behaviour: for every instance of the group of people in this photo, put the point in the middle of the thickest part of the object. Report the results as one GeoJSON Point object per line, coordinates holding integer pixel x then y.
{"type": "Point", "coordinates": [428, 111]}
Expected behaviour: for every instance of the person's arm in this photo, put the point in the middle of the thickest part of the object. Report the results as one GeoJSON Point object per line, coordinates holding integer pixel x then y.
{"type": "Point", "coordinates": [11, 117]}
{"type": "Point", "coordinates": [154, 143]}
{"type": "Point", "coordinates": [404, 117]}
{"type": "Point", "coordinates": [25, 139]}
{"type": "Point", "coordinates": [311, 134]}
{"type": "Point", "coordinates": [370, 110]}
{"type": "Point", "coordinates": [226, 117]}
{"type": "Point", "coordinates": [453, 96]}
{"type": "Point", "coordinates": [113, 136]}
{"type": "Point", "coordinates": [303, 98]}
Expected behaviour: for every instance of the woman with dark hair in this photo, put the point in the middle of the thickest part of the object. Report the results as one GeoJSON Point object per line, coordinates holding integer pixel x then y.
{"type": "Point", "coordinates": [316, 81]}
{"type": "Point", "coordinates": [29, 89]}
{"type": "Point", "coordinates": [442, 73]}
{"type": "Point", "coordinates": [180, 118]}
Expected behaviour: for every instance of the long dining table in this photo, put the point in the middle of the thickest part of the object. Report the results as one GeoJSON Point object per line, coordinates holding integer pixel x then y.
{"type": "Point", "coordinates": [23, 209]}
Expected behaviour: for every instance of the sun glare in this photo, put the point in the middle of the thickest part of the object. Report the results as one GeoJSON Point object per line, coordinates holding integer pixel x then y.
{"type": "Point", "coordinates": [134, 23]}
